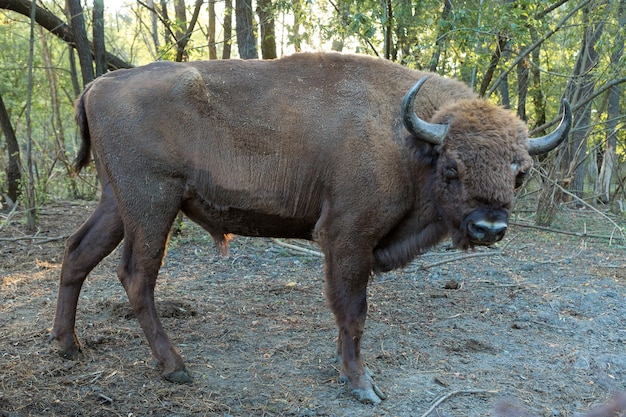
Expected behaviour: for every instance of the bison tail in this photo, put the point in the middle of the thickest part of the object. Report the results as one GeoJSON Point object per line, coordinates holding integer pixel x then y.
{"type": "Point", "coordinates": [82, 158]}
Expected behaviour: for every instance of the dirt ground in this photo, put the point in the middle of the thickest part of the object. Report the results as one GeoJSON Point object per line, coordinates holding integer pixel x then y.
{"type": "Point", "coordinates": [539, 322]}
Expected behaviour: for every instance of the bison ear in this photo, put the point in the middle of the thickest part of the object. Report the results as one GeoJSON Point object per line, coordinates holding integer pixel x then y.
{"type": "Point", "coordinates": [423, 152]}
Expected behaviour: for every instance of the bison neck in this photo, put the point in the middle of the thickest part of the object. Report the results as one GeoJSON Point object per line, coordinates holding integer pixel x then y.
{"type": "Point", "coordinates": [418, 231]}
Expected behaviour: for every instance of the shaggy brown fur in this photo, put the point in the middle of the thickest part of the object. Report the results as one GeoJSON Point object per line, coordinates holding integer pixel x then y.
{"type": "Point", "coordinates": [310, 146]}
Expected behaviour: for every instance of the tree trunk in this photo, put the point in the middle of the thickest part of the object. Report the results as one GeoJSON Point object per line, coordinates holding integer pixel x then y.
{"type": "Point", "coordinates": [388, 27]}
{"type": "Point", "coordinates": [268, 33]}
{"type": "Point", "coordinates": [77, 23]}
{"type": "Point", "coordinates": [549, 199]}
{"type": "Point", "coordinates": [569, 164]}
{"type": "Point", "coordinates": [98, 37]}
{"type": "Point", "coordinates": [405, 35]}
{"type": "Point", "coordinates": [505, 96]}
{"type": "Point", "coordinates": [167, 34]}
{"type": "Point", "coordinates": [228, 28]}
{"type": "Point", "coordinates": [495, 58]}
{"type": "Point", "coordinates": [536, 92]}
{"type": "Point", "coordinates": [440, 42]}
{"type": "Point", "coordinates": [211, 31]}
{"type": "Point", "coordinates": [14, 172]}
{"type": "Point", "coordinates": [180, 29]}
{"type": "Point", "coordinates": [583, 86]}
{"type": "Point", "coordinates": [609, 160]}
{"type": "Point", "coordinates": [154, 28]}
{"type": "Point", "coordinates": [57, 27]}
{"type": "Point", "coordinates": [30, 190]}
{"type": "Point", "coordinates": [57, 123]}
{"type": "Point", "coordinates": [73, 72]}
{"type": "Point", "coordinates": [246, 41]}
{"type": "Point", "coordinates": [298, 14]}
{"type": "Point", "coordinates": [523, 54]}
{"type": "Point", "coordinates": [342, 8]}
{"type": "Point", "coordinates": [522, 88]}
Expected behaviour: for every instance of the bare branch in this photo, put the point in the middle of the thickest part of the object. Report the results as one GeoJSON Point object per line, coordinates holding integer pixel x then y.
{"type": "Point", "coordinates": [538, 42]}
{"type": "Point", "coordinates": [557, 185]}
{"type": "Point", "coordinates": [581, 103]}
{"type": "Point", "coordinates": [39, 239]}
{"type": "Point", "coordinates": [57, 27]}
{"type": "Point", "coordinates": [297, 248]}
{"type": "Point", "coordinates": [453, 393]}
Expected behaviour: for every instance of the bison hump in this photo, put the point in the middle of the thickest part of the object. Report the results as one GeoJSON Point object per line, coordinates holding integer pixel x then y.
{"type": "Point", "coordinates": [189, 83]}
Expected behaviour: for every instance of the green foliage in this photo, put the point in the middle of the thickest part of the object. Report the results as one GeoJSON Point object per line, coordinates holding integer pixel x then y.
{"type": "Point", "coordinates": [13, 87]}
{"type": "Point", "coordinates": [459, 42]}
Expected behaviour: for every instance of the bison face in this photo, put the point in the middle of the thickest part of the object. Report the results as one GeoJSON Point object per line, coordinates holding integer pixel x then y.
{"type": "Point", "coordinates": [481, 153]}
{"type": "Point", "coordinates": [481, 162]}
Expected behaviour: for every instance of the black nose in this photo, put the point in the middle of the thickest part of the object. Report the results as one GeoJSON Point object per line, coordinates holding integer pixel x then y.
{"type": "Point", "coordinates": [485, 232]}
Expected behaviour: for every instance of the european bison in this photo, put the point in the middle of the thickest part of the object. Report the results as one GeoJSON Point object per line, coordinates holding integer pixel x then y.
{"type": "Point", "coordinates": [373, 161]}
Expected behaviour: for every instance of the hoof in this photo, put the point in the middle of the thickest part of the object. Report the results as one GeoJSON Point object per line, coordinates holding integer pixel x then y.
{"type": "Point", "coordinates": [70, 354]}
{"type": "Point", "coordinates": [69, 348]}
{"type": "Point", "coordinates": [370, 394]}
{"type": "Point", "coordinates": [179, 377]}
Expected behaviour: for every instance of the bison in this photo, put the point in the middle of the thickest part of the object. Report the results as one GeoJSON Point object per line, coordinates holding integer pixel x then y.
{"type": "Point", "coordinates": [375, 162]}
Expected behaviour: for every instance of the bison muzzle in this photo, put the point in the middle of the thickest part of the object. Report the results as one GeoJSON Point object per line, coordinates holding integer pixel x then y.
{"type": "Point", "coordinates": [375, 162]}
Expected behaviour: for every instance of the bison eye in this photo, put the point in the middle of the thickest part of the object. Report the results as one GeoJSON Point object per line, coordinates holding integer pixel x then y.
{"type": "Point", "coordinates": [520, 178]}
{"type": "Point", "coordinates": [450, 172]}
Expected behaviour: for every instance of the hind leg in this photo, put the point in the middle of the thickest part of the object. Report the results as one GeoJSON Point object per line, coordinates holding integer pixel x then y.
{"type": "Point", "coordinates": [147, 222]}
{"type": "Point", "coordinates": [84, 249]}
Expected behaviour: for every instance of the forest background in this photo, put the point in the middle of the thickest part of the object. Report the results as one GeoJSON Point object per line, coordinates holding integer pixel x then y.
{"type": "Point", "coordinates": [526, 55]}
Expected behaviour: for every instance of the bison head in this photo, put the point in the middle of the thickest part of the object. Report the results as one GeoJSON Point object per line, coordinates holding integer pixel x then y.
{"type": "Point", "coordinates": [481, 155]}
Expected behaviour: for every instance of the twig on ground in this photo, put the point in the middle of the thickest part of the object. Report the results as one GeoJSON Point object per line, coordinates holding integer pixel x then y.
{"type": "Point", "coordinates": [11, 213]}
{"type": "Point", "coordinates": [613, 408]}
{"type": "Point", "coordinates": [459, 392]}
{"type": "Point", "coordinates": [583, 247]}
{"type": "Point", "coordinates": [580, 200]}
{"type": "Point", "coordinates": [43, 239]}
{"type": "Point", "coordinates": [565, 232]}
{"type": "Point", "coordinates": [105, 398]}
{"type": "Point", "coordinates": [459, 258]}
{"type": "Point", "coordinates": [552, 326]}
{"type": "Point", "coordinates": [469, 255]}
{"type": "Point", "coordinates": [297, 248]}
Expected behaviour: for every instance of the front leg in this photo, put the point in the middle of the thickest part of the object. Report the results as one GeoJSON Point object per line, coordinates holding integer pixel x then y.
{"type": "Point", "coordinates": [346, 290]}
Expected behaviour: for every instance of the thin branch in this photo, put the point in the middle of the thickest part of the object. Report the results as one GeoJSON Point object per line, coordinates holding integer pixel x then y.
{"type": "Point", "coordinates": [459, 392]}
{"type": "Point", "coordinates": [297, 248]}
{"type": "Point", "coordinates": [541, 14]}
{"type": "Point", "coordinates": [617, 405]}
{"type": "Point", "coordinates": [11, 213]}
{"type": "Point", "coordinates": [363, 38]}
{"type": "Point", "coordinates": [562, 232]}
{"type": "Point", "coordinates": [58, 27]}
{"type": "Point", "coordinates": [44, 239]}
{"type": "Point", "coordinates": [574, 196]}
{"type": "Point", "coordinates": [581, 103]}
{"type": "Point", "coordinates": [182, 42]}
{"type": "Point", "coordinates": [460, 258]}
{"type": "Point", "coordinates": [469, 255]}
{"type": "Point", "coordinates": [612, 408]}
{"type": "Point", "coordinates": [165, 23]}
{"type": "Point", "coordinates": [583, 247]}
{"type": "Point", "coordinates": [538, 42]}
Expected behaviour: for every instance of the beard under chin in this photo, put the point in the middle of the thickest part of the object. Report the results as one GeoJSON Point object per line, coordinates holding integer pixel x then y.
{"type": "Point", "coordinates": [460, 240]}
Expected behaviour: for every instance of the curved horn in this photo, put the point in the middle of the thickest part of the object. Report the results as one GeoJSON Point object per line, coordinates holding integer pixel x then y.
{"type": "Point", "coordinates": [543, 144]}
{"type": "Point", "coordinates": [422, 130]}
